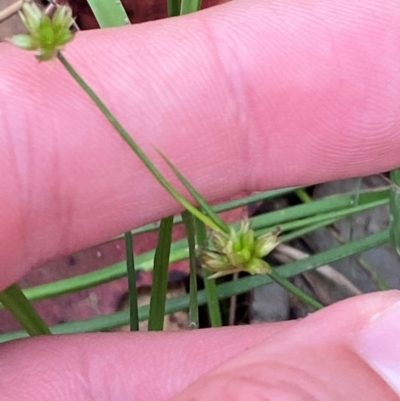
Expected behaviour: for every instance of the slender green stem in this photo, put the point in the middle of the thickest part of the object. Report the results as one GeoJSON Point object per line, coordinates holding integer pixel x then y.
{"type": "Point", "coordinates": [174, 7]}
{"type": "Point", "coordinates": [179, 251]}
{"type": "Point", "coordinates": [205, 207]}
{"type": "Point", "coordinates": [288, 286]}
{"type": "Point", "coordinates": [134, 146]}
{"type": "Point", "coordinates": [190, 6]}
{"type": "Point", "coordinates": [16, 302]}
{"type": "Point", "coordinates": [356, 200]}
{"type": "Point", "coordinates": [377, 279]}
{"type": "Point", "coordinates": [109, 13]}
{"type": "Point", "coordinates": [160, 275]}
{"type": "Point", "coordinates": [189, 222]}
{"type": "Point", "coordinates": [131, 272]}
{"type": "Point", "coordinates": [395, 210]}
{"type": "Point", "coordinates": [213, 305]}
{"type": "Point", "coordinates": [225, 290]}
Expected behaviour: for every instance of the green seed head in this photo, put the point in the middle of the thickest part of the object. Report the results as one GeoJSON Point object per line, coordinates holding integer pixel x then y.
{"type": "Point", "coordinates": [45, 35]}
{"type": "Point", "coordinates": [239, 251]}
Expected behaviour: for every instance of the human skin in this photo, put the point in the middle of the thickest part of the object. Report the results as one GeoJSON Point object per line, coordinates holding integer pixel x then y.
{"type": "Point", "coordinates": [261, 94]}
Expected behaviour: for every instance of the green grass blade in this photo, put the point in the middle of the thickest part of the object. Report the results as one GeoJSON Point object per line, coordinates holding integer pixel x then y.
{"type": "Point", "coordinates": [134, 146]}
{"type": "Point", "coordinates": [395, 210]}
{"type": "Point", "coordinates": [357, 191]}
{"type": "Point", "coordinates": [302, 265]}
{"type": "Point", "coordinates": [110, 13]}
{"type": "Point", "coordinates": [288, 286]}
{"type": "Point", "coordinates": [160, 275]}
{"type": "Point", "coordinates": [329, 204]}
{"type": "Point", "coordinates": [15, 301]}
{"type": "Point", "coordinates": [206, 208]}
{"type": "Point", "coordinates": [213, 305]}
{"type": "Point", "coordinates": [174, 7]}
{"type": "Point", "coordinates": [189, 222]}
{"type": "Point", "coordinates": [225, 290]}
{"type": "Point", "coordinates": [179, 252]}
{"type": "Point", "coordinates": [190, 6]}
{"type": "Point", "coordinates": [131, 272]}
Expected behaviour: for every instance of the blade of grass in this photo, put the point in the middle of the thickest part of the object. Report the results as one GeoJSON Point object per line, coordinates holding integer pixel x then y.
{"type": "Point", "coordinates": [265, 220]}
{"type": "Point", "coordinates": [225, 290]}
{"type": "Point", "coordinates": [395, 210]}
{"type": "Point", "coordinates": [179, 251]}
{"type": "Point", "coordinates": [134, 146]}
{"type": "Point", "coordinates": [15, 301]}
{"type": "Point", "coordinates": [288, 286]}
{"type": "Point", "coordinates": [132, 288]}
{"type": "Point", "coordinates": [190, 6]}
{"type": "Point", "coordinates": [213, 306]}
{"type": "Point", "coordinates": [331, 203]}
{"type": "Point", "coordinates": [206, 208]}
{"type": "Point", "coordinates": [375, 276]}
{"type": "Point", "coordinates": [109, 13]}
{"type": "Point", "coordinates": [174, 7]}
{"type": "Point", "coordinates": [189, 222]}
{"type": "Point", "coordinates": [222, 207]}
{"type": "Point", "coordinates": [357, 191]}
{"type": "Point", "coordinates": [160, 275]}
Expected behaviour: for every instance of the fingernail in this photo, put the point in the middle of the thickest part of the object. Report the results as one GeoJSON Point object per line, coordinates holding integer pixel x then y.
{"type": "Point", "coordinates": [379, 345]}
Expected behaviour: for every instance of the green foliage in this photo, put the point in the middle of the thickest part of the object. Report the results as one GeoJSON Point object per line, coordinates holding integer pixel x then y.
{"type": "Point", "coordinates": [16, 302]}
{"type": "Point", "coordinates": [109, 13]}
{"type": "Point", "coordinates": [160, 275]}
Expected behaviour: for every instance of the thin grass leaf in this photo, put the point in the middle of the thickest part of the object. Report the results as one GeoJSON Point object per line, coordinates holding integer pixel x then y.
{"type": "Point", "coordinates": [190, 6]}
{"type": "Point", "coordinates": [132, 288]}
{"type": "Point", "coordinates": [225, 290]}
{"type": "Point", "coordinates": [174, 7]}
{"type": "Point", "coordinates": [205, 207]}
{"type": "Point", "coordinates": [374, 275]}
{"type": "Point", "coordinates": [302, 265]}
{"type": "Point", "coordinates": [189, 222]}
{"type": "Point", "coordinates": [110, 13]}
{"type": "Point", "coordinates": [160, 275]}
{"type": "Point", "coordinates": [395, 210]}
{"type": "Point", "coordinates": [134, 146]}
{"type": "Point", "coordinates": [288, 286]}
{"type": "Point", "coordinates": [222, 207]}
{"type": "Point", "coordinates": [179, 251]}
{"type": "Point", "coordinates": [213, 305]}
{"type": "Point", "coordinates": [15, 301]}
{"type": "Point", "coordinates": [331, 203]}
{"type": "Point", "coordinates": [357, 191]}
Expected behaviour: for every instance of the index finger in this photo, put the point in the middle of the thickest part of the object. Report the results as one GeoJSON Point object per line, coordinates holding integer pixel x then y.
{"type": "Point", "coordinates": [246, 96]}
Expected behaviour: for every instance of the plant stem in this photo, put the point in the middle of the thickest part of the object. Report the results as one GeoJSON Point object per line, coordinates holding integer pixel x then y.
{"type": "Point", "coordinates": [134, 146]}
{"type": "Point", "coordinates": [395, 210]}
{"type": "Point", "coordinates": [131, 272]}
{"type": "Point", "coordinates": [15, 301]}
{"type": "Point", "coordinates": [288, 286]}
{"type": "Point", "coordinates": [173, 8]}
{"type": "Point", "coordinates": [160, 275]}
{"type": "Point", "coordinates": [213, 305]}
{"type": "Point", "coordinates": [189, 222]}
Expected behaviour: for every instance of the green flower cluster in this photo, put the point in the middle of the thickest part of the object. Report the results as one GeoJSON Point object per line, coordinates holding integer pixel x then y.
{"type": "Point", "coordinates": [47, 35]}
{"type": "Point", "coordinates": [239, 251]}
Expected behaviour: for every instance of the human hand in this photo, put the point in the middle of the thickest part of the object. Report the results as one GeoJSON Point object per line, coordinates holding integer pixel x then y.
{"type": "Point", "coordinates": [266, 94]}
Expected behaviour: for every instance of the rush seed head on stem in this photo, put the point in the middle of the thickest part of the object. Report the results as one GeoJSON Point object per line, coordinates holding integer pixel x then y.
{"type": "Point", "coordinates": [47, 35]}
{"type": "Point", "coordinates": [239, 251]}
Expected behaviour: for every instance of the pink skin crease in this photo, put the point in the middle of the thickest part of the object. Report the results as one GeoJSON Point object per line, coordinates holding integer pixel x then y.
{"type": "Point", "coordinates": [260, 94]}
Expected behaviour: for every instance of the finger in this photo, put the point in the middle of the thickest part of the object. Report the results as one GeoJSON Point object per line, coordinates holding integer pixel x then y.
{"type": "Point", "coordinates": [315, 352]}
{"type": "Point", "coordinates": [312, 360]}
{"type": "Point", "coordinates": [249, 95]}
{"type": "Point", "coordinates": [140, 366]}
